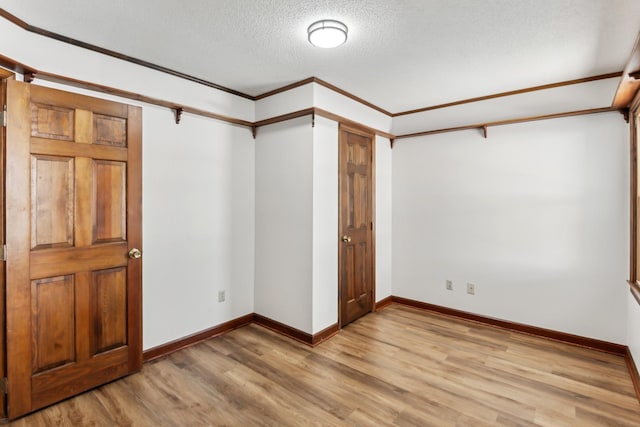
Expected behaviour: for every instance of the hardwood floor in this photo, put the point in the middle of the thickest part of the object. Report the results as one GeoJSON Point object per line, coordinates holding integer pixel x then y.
{"type": "Point", "coordinates": [400, 367]}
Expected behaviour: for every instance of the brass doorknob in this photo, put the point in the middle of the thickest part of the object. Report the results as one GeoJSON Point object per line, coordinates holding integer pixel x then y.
{"type": "Point", "coordinates": [135, 253]}
{"type": "Point", "coordinates": [346, 239]}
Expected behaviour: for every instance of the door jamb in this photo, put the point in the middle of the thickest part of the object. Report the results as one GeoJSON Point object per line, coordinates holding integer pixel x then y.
{"type": "Point", "coordinates": [4, 76]}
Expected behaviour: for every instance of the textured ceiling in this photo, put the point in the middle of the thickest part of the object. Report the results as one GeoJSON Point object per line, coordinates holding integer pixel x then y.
{"type": "Point", "coordinates": [400, 55]}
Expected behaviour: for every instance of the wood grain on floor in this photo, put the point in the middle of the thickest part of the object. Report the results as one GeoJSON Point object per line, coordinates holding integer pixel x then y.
{"type": "Point", "coordinates": [398, 367]}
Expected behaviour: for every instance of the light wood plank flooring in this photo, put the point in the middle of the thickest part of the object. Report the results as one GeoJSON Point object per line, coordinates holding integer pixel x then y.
{"type": "Point", "coordinates": [397, 367]}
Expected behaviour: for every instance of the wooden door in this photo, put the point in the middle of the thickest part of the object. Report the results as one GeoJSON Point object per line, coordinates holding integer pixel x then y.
{"type": "Point", "coordinates": [356, 253]}
{"type": "Point", "coordinates": [73, 213]}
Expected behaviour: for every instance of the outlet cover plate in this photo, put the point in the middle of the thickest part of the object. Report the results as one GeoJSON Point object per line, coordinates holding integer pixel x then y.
{"type": "Point", "coordinates": [471, 288]}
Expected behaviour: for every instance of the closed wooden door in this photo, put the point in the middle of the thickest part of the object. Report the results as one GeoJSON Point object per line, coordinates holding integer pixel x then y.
{"type": "Point", "coordinates": [73, 213]}
{"type": "Point", "coordinates": [356, 253]}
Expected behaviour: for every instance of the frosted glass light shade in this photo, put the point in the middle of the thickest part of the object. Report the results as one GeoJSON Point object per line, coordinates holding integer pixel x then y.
{"type": "Point", "coordinates": [327, 33]}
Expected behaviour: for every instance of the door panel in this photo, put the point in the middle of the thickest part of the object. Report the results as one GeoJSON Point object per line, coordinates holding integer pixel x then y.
{"type": "Point", "coordinates": [109, 311]}
{"type": "Point", "coordinates": [110, 131]}
{"type": "Point", "coordinates": [73, 294]}
{"type": "Point", "coordinates": [52, 314]}
{"type": "Point", "coordinates": [52, 122]}
{"type": "Point", "coordinates": [356, 224]}
{"type": "Point", "coordinates": [52, 201]}
{"type": "Point", "coordinates": [110, 194]}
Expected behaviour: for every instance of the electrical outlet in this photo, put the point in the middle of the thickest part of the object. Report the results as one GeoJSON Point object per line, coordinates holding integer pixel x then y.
{"type": "Point", "coordinates": [449, 285]}
{"type": "Point", "coordinates": [221, 296]}
{"type": "Point", "coordinates": [471, 288]}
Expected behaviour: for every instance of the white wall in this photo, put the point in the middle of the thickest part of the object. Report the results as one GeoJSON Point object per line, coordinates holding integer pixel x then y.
{"type": "Point", "coordinates": [286, 102]}
{"type": "Point", "coordinates": [536, 216]}
{"type": "Point", "coordinates": [325, 224]}
{"type": "Point", "coordinates": [341, 105]}
{"type": "Point", "coordinates": [197, 224]}
{"type": "Point", "coordinates": [284, 222]}
{"type": "Point", "coordinates": [595, 94]}
{"type": "Point", "coordinates": [383, 217]}
{"type": "Point", "coordinates": [240, 294]}
{"type": "Point", "coordinates": [633, 328]}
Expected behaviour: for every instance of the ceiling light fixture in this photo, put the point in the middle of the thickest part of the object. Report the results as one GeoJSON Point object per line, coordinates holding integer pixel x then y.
{"type": "Point", "coordinates": [327, 33]}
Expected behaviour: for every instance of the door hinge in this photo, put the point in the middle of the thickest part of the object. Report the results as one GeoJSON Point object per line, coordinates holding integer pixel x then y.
{"type": "Point", "coordinates": [4, 116]}
{"type": "Point", "coordinates": [4, 385]}
{"type": "Point", "coordinates": [3, 253]}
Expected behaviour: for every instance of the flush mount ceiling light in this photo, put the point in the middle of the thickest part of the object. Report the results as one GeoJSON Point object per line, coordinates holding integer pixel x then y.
{"type": "Point", "coordinates": [327, 33]}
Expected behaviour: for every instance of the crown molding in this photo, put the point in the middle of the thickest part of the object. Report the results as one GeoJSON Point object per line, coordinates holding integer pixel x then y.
{"type": "Point", "coordinates": [513, 92]}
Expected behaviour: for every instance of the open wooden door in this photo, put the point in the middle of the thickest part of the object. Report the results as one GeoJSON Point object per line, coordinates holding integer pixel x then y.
{"type": "Point", "coordinates": [73, 219]}
{"type": "Point", "coordinates": [356, 250]}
